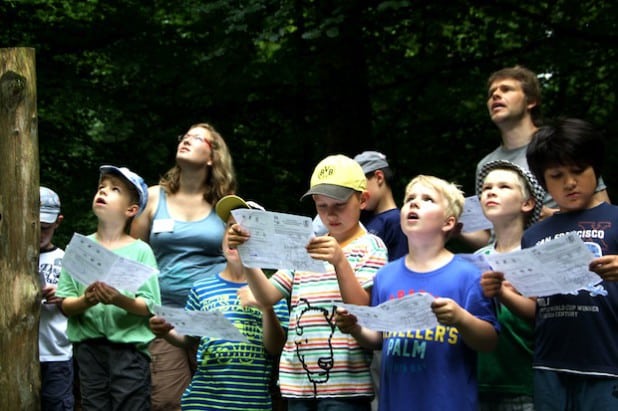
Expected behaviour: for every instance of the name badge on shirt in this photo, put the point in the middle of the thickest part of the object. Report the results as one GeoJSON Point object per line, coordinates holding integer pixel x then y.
{"type": "Point", "coordinates": [163, 225]}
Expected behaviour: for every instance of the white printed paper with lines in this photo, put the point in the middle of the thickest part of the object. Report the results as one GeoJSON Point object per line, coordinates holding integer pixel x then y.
{"type": "Point", "coordinates": [472, 216]}
{"type": "Point", "coordinates": [277, 241]}
{"type": "Point", "coordinates": [87, 261]}
{"type": "Point", "coordinates": [211, 324]}
{"type": "Point", "coordinates": [412, 312]}
{"type": "Point", "coordinates": [559, 266]}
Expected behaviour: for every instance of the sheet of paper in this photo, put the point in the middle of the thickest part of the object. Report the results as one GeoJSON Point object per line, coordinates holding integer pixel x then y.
{"type": "Point", "coordinates": [211, 324]}
{"type": "Point", "coordinates": [559, 266]}
{"type": "Point", "coordinates": [277, 241]}
{"type": "Point", "coordinates": [87, 262]}
{"type": "Point", "coordinates": [472, 216]}
{"type": "Point", "coordinates": [412, 312]}
{"type": "Point", "coordinates": [479, 260]}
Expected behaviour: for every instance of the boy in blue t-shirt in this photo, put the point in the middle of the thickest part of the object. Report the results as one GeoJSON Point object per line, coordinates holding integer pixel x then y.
{"type": "Point", "coordinates": [432, 369]}
{"type": "Point", "coordinates": [576, 338]}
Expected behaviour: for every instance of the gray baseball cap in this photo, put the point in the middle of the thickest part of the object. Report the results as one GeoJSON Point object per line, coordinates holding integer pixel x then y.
{"type": "Point", "coordinates": [371, 161]}
{"type": "Point", "coordinates": [50, 206]}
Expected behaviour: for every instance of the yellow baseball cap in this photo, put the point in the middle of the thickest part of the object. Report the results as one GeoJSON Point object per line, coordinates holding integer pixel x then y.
{"type": "Point", "coordinates": [231, 202]}
{"type": "Point", "coordinates": [337, 176]}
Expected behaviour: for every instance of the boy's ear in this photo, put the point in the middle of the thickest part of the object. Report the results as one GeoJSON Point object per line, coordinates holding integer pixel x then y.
{"type": "Point", "coordinates": [449, 224]}
{"type": "Point", "coordinates": [364, 198]}
{"type": "Point", "coordinates": [379, 176]}
{"type": "Point", "coordinates": [528, 205]}
{"type": "Point", "coordinates": [132, 210]}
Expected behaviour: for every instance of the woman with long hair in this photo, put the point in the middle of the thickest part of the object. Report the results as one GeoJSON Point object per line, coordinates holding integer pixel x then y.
{"type": "Point", "coordinates": [185, 234]}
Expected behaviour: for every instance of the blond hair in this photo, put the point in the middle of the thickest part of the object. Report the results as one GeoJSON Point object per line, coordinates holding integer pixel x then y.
{"type": "Point", "coordinates": [452, 194]}
{"type": "Point", "coordinates": [220, 180]}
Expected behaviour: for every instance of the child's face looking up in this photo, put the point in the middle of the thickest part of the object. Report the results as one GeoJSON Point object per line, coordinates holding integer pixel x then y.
{"type": "Point", "coordinates": [571, 186]}
{"type": "Point", "coordinates": [113, 198]}
{"type": "Point", "coordinates": [502, 195]}
{"type": "Point", "coordinates": [424, 211]}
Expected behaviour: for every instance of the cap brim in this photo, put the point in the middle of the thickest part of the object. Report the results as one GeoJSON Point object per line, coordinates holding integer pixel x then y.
{"type": "Point", "coordinates": [339, 193]}
{"type": "Point", "coordinates": [133, 179]}
{"type": "Point", "coordinates": [48, 217]}
{"type": "Point", "coordinates": [228, 203]}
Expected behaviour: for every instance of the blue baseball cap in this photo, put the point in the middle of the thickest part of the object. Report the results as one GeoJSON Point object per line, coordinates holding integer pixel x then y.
{"type": "Point", "coordinates": [135, 180]}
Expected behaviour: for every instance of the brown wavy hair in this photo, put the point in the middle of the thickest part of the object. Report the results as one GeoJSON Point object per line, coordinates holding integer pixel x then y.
{"type": "Point", "coordinates": [221, 178]}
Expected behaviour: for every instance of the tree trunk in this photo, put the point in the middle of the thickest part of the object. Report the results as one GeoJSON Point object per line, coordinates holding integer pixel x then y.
{"type": "Point", "coordinates": [19, 232]}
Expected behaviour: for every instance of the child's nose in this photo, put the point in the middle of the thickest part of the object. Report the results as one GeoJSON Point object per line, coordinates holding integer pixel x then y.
{"type": "Point", "coordinates": [570, 181]}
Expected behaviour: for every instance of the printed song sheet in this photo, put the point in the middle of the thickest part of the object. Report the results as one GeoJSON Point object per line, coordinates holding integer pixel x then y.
{"type": "Point", "coordinates": [559, 266]}
{"type": "Point", "coordinates": [412, 312]}
{"type": "Point", "coordinates": [277, 241]}
{"type": "Point", "coordinates": [479, 260]}
{"type": "Point", "coordinates": [472, 216]}
{"type": "Point", "coordinates": [87, 261]}
{"type": "Point", "coordinates": [211, 324]}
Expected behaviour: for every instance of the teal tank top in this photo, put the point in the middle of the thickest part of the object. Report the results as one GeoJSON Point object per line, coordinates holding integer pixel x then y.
{"type": "Point", "coordinates": [186, 252]}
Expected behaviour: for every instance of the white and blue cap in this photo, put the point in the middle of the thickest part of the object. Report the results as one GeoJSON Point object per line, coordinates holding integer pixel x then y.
{"type": "Point", "coordinates": [135, 180]}
{"type": "Point", "coordinates": [50, 206]}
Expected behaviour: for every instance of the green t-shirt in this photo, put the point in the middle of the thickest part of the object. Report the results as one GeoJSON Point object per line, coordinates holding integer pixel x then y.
{"type": "Point", "coordinates": [507, 369]}
{"type": "Point", "coordinates": [107, 320]}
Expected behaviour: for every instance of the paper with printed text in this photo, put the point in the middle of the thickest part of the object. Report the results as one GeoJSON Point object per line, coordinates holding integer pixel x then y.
{"type": "Point", "coordinates": [559, 266]}
{"type": "Point", "coordinates": [211, 324]}
{"type": "Point", "coordinates": [472, 216]}
{"type": "Point", "coordinates": [87, 261]}
{"type": "Point", "coordinates": [412, 312]}
{"type": "Point", "coordinates": [277, 241]}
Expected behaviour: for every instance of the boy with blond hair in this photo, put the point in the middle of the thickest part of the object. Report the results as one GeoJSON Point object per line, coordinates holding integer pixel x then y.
{"type": "Point", "coordinates": [511, 198]}
{"type": "Point", "coordinates": [432, 369]}
{"type": "Point", "coordinates": [109, 327]}
{"type": "Point", "coordinates": [320, 366]}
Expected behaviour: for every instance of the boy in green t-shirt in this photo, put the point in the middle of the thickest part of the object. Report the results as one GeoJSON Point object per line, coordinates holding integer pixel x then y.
{"type": "Point", "coordinates": [512, 199]}
{"type": "Point", "coordinates": [109, 327]}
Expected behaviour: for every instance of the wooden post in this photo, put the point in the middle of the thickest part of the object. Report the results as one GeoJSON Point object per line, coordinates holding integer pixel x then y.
{"type": "Point", "coordinates": [20, 297]}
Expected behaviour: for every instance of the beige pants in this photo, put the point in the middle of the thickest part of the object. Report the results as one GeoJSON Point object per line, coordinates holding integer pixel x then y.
{"type": "Point", "coordinates": [172, 369]}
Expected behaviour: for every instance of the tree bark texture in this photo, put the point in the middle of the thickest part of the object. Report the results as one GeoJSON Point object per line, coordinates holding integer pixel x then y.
{"type": "Point", "coordinates": [19, 232]}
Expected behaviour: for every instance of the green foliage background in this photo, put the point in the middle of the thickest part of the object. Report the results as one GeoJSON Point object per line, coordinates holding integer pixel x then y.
{"type": "Point", "coordinates": [288, 82]}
